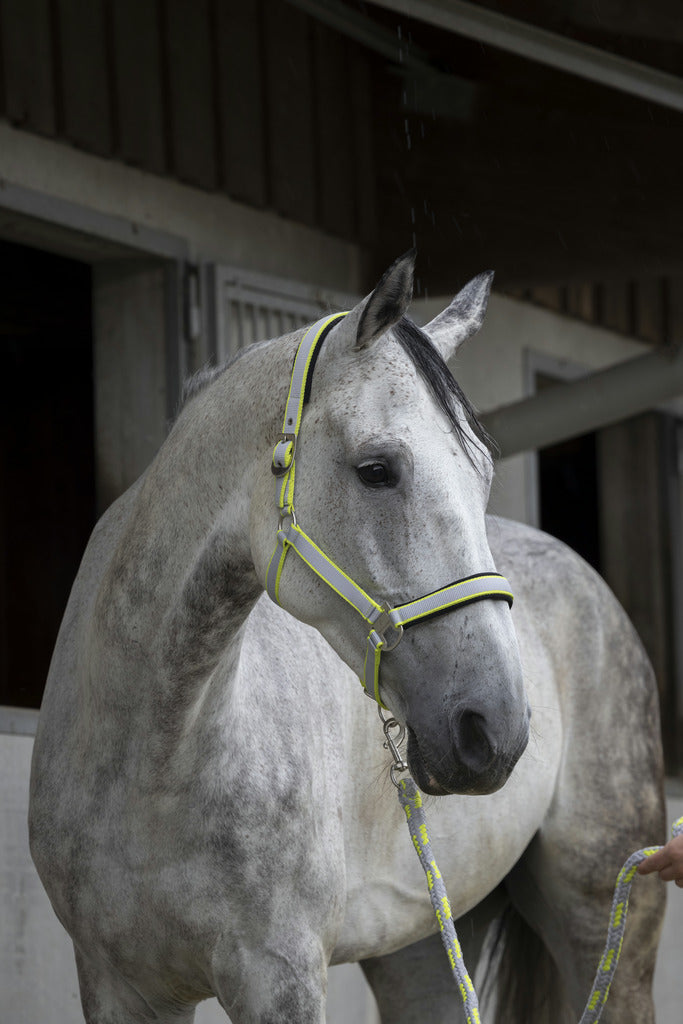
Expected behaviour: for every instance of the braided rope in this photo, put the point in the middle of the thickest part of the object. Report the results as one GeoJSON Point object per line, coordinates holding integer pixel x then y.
{"type": "Point", "coordinates": [411, 801]}
{"type": "Point", "coordinates": [615, 932]}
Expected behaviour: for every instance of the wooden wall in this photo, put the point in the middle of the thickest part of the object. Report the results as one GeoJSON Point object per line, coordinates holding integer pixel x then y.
{"type": "Point", "coordinates": [650, 309]}
{"type": "Point", "coordinates": [640, 512]}
{"type": "Point", "coordinates": [256, 100]}
{"type": "Point", "coordinates": [252, 98]}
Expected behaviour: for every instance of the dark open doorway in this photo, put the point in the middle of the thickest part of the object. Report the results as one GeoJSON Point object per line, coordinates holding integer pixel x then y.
{"type": "Point", "coordinates": [47, 498]}
{"type": "Point", "coordinates": [615, 497]}
{"type": "Point", "coordinates": [568, 486]}
{"type": "Point", "coordinates": [569, 495]}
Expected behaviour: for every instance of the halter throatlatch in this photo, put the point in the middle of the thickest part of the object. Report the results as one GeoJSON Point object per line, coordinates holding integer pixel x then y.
{"type": "Point", "coordinates": [386, 622]}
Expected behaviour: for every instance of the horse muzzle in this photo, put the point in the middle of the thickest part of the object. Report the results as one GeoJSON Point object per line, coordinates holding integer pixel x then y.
{"type": "Point", "coordinates": [476, 756]}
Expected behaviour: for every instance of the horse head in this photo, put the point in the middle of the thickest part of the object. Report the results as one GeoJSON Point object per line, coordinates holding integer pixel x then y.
{"type": "Point", "coordinates": [392, 481]}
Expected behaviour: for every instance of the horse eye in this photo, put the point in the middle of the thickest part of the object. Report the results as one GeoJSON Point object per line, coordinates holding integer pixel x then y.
{"type": "Point", "coordinates": [375, 474]}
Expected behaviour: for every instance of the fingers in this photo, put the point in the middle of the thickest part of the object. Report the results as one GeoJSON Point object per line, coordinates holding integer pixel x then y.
{"type": "Point", "coordinates": [674, 850]}
{"type": "Point", "coordinates": [668, 862]}
{"type": "Point", "coordinates": [655, 862]}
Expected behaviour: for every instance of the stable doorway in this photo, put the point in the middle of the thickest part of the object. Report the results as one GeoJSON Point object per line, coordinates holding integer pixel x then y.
{"type": "Point", "coordinates": [616, 497]}
{"type": "Point", "coordinates": [47, 498]}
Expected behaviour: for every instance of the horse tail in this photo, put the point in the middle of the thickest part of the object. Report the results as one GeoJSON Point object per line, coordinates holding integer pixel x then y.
{"type": "Point", "coordinates": [522, 976]}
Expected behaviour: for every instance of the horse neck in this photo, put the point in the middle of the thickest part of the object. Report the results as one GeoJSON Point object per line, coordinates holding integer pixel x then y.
{"type": "Point", "coordinates": [181, 582]}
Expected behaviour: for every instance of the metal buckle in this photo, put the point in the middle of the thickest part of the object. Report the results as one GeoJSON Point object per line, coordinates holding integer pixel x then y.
{"type": "Point", "coordinates": [384, 622]}
{"type": "Point", "coordinates": [284, 439]}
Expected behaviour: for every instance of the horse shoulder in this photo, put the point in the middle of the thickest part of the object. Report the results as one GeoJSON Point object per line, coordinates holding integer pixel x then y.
{"type": "Point", "coordinates": [69, 658]}
{"type": "Point", "coordinates": [55, 809]}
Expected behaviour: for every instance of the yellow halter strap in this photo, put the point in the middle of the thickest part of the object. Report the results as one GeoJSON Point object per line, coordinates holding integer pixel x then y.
{"type": "Point", "coordinates": [386, 622]}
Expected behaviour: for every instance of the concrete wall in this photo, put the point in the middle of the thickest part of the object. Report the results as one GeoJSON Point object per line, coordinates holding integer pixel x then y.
{"type": "Point", "coordinates": [214, 227]}
{"type": "Point", "coordinates": [37, 981]}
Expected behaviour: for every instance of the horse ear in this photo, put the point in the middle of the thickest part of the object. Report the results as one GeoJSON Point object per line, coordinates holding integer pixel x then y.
{"type": "Point", "coordinates": [380, 310]}
{"type": "Point", "coordinates": [463, 317]}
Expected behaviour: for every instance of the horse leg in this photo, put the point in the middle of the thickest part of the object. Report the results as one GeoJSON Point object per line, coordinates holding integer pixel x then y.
{"type": "Point", "coordinates": [563, 890]}
{"type": "Point", "coordinates": [107, 998]}
{"type": "Point", "coordinates": [266, 985]}
{"type": "Point", "coordinates": [563, 884]}
{"type": "Point", "coordinates": [416, 983]}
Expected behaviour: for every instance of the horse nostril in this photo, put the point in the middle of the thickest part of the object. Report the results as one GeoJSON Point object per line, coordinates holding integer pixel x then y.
{"type": "Point", "coordinates": [472, 741]}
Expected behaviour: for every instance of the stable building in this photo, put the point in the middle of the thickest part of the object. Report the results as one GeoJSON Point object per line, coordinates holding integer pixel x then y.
{"type": "Point", "coordinates": [179, 178]}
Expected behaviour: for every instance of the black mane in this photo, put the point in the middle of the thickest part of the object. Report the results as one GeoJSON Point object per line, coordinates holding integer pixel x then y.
{"type": "Point", "coordinates": [445, 389]}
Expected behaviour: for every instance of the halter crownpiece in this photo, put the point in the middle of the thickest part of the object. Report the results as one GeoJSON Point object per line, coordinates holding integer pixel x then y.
{"type": "Point", "coordinates": [386, 622]}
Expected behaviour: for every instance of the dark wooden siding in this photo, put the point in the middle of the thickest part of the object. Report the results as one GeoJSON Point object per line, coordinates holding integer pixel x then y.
{"type": "Point", "coordinates": [290, 107]}
{"type": "Point", "coordinates": [137, 93]}
{"type": "Point", "coordinates": [649, 309]}
{"type": "Point", "coordinates": [253, 99]}
{"type": "Point", "coordinates": [84, 107]}
{"type": "Point", "coordinates": [240, 102]}
{"type": "Point", "coordinates": [188, 74]}
{"type": "Point", "coordinates": [27, 59]}
{"type": "Point", "coordinates": [256, 100]}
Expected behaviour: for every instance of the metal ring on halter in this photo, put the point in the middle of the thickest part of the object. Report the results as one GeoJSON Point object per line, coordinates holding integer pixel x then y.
{"type": "Point", "coordinates": [287, 514]}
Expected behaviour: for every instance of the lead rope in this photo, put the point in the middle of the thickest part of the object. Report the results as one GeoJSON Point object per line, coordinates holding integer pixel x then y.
{"type": "Point", "coordinates": [411, 801]}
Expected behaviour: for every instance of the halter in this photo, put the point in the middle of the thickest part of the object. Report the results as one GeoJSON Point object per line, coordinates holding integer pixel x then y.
{"type": "Point", "coordinates": [386, 622]}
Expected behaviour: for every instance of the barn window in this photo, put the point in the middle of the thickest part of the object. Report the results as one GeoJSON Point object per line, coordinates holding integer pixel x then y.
{"type": "Point", "coordinates": [252, 307]}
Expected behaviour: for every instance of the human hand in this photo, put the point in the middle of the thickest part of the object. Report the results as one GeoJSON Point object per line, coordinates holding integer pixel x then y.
{"type": "Point", "coordinates": [668, 862]}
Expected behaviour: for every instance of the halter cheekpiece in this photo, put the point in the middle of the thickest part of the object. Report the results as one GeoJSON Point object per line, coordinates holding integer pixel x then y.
{"type": "Point", "coordinates": [386, 622]}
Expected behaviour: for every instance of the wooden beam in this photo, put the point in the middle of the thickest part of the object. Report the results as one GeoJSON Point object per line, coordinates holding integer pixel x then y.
{"type": "Point", "coordinates": [550, 48]}
{"type": "Point", "coordinates": [599, 400]}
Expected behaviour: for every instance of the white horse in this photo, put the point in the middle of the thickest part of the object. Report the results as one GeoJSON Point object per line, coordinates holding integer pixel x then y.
{"type": "Point", "coordinates": [210, 812]}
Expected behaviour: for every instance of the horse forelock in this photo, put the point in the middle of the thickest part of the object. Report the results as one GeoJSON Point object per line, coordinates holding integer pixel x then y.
{"type": "Point", "coordinates": [446, 391]}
